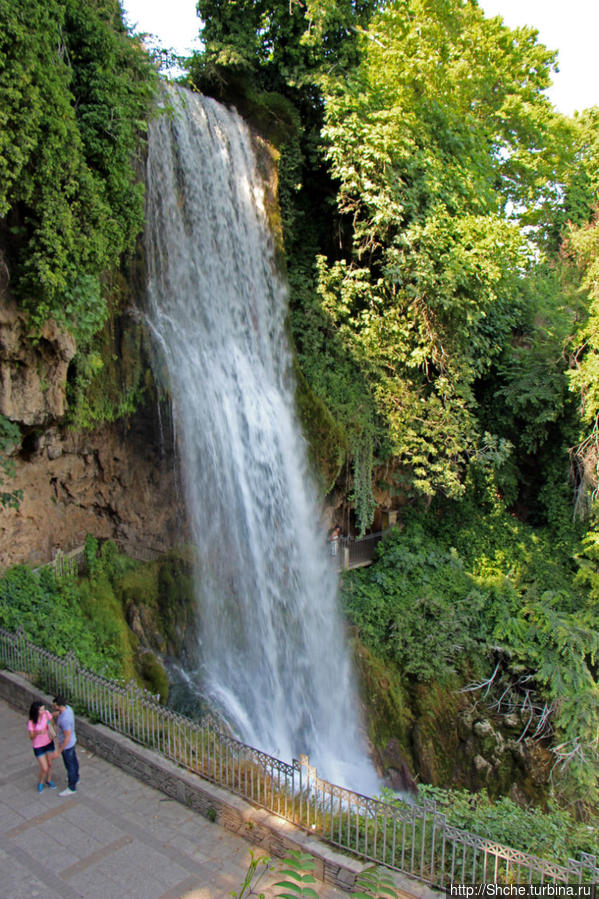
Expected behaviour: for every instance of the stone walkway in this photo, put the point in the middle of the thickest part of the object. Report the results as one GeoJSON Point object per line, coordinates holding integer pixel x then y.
{"type": "Point", "coordinates": [117, 839]}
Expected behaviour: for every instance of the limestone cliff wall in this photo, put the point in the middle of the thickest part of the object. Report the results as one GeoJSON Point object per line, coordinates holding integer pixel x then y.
{"type": "Point", "coordinates": [118, 481]}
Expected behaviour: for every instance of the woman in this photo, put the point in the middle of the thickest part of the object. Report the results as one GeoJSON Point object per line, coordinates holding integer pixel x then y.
{"type": "Point", "coordinates": [43, 744]}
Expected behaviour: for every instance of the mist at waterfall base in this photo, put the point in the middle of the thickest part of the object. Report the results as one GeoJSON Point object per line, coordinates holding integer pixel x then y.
{"type": "Point", "coordinates": [271, 654]}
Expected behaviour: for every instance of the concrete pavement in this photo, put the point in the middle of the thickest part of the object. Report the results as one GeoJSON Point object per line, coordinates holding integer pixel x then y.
{"type": "Point", "coordinates": [118, 838]}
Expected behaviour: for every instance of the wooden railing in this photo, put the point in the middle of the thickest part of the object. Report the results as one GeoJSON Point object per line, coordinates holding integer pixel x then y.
{"type": "Point", "coordinates": [349, 552]}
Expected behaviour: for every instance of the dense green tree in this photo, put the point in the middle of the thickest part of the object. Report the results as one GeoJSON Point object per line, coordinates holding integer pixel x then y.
{"type": "Point", "coordinates": [438, 138]}
{"type": "Point", "coordinates": [277, 45]}
{"type": "Point", "coordinates": [576, 271]}
{"type": "Point", "coordinates": [76, 89]}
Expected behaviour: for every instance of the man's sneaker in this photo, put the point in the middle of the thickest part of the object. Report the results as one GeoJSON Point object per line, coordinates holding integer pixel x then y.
{"type": "Point", "coordinates": [40, 788]}
{"type": "Point", "coordinates": [50, 784]}
{"type": "Point", "coordinates": [67, 792]}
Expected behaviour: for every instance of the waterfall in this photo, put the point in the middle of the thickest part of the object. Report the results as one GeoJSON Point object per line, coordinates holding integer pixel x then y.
{"type": "Point", "coordinates": [271, 653]}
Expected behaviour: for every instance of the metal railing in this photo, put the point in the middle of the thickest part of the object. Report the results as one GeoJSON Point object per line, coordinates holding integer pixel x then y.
{"type": "Point", "coordinates": [350, 552]}
{"type": "Point", "coordinates": [68, 564]}
{"type": "Point", "coordinates": [73, 562]}
{"type": "Point", "coordinates": [414, 839]}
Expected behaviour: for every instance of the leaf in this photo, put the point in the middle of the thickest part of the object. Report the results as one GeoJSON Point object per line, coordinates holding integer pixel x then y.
{"type": "Point", "coordinates": [307, 893]}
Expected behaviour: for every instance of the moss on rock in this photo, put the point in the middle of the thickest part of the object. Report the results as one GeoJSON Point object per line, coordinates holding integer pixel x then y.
{"type": "Point", "coordinates": [154, 675]}
{"type": "Point", "coordinates": [159, 601]}
{"type": "Point", "coordinates": [327, 441]}
{"type": "Point", "coordinates": [434, 733]}
{"type": "Point", "coordinates": [110, 377]}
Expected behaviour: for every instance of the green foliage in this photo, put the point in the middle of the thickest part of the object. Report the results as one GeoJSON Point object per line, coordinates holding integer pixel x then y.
{"type": "Point", "coordinates": [275, 46]}
{"type": "Point", "coordinates": [297, 870]}
{"type": "Point", "coordinates": [532, 386]}
{"type": "Point", "coordinates": [582, 244]}
{"type": "Point", "coordinates": [109, 377]}
{"type": "Point", "coordinates": [553, 834]}
{"type": "Point", "coordinates": [176, 595]}
{"type": "Point", "coordinates": [10, 437]}
{"type": "Point", "coordinates": [373, 883]}
{"type": "Point", "coordinates": [326, 439]}
{"type": "Point", "coordinates": [259, 866]}
{"type": "Point", "coordinates": [52, 615]}
{"type": "Point", "coordinates": [470, 589]}
{"type": "Point", "coordinates": [426, 159]}
{"type": "Point", "coordinates": [91, 555]}
{"type": "Point", "coordinates": [417, 606]}
{"type": "Point", "coordinates": [154, 676]}
{"type": "Point", "coordinates": [580, 189]}
{"type": "Point", "coordinates": [89, 615]}
{"type": "Point", "coordinates": [76, 92]}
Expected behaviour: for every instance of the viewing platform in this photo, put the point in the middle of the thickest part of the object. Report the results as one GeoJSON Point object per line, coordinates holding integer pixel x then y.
{"type": "Point", "coordinates": [357, 552]}
{"type": "Point", "coordinates": [350, 552]}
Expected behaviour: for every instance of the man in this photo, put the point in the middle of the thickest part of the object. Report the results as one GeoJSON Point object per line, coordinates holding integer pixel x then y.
{"type": "Point", "coordinates": [66, 738]}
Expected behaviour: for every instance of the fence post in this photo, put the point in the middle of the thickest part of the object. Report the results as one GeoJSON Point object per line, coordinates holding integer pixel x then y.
{"type": "Point", "coordinates": [587, 862]}
{"type": "Point", "coordinates": [71, 662]}
{"type": "Point", "coordinates": [20, 644]}
{"type": "Point", "coordinates": [345, 557]}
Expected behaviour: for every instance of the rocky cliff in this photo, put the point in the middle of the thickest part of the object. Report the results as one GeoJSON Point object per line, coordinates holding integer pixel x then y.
{"type": "Point", "coordinates": [116, 481]}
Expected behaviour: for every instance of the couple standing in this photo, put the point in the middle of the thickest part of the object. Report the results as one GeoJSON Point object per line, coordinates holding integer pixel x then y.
{"type": "Point", "coordinates": [40, 728]}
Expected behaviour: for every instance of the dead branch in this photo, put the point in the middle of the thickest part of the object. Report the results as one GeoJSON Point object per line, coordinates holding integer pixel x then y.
{"type": "Point", "coordinates": [472, 688]}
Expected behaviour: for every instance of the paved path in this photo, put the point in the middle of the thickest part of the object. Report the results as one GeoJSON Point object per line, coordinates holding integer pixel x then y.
{"type": "Point", "coordinates": [117, 839]}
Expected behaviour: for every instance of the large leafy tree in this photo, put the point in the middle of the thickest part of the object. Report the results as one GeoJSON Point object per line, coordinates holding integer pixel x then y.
{"type": "Point", "coordinates": [278, 45]}
{"type": "Point", "coordinates": [442, 141]}
{"type": "Point", "coordinates": [405, 244]}
{"type": "Point", "coordinates": [75, 91]}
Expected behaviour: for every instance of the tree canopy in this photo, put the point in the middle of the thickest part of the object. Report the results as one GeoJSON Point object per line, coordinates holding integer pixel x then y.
{"type": "Point", "coordinates": [76, 90]}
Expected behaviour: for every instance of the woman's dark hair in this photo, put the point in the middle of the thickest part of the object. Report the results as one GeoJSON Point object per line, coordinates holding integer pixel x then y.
{"type": "Point", "coordinates": [34, 711]}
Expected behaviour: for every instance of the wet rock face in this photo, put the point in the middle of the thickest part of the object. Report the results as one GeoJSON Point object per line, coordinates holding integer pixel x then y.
{"type": "Point", "coordinates": [119, 481]}
{"type": "Point", "coordinates": [395, 768]}
{"type": "Point", "coordinates": [504, 759]}
{"type": "Point", "coordinates": [113, 483]}
{"type": "Point", "coordinates": [436, 734]}
{"type": "Point", "coordinates": [32, 375]}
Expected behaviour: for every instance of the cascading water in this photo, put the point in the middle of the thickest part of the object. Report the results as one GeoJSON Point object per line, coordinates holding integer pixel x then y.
{"type": "Point", "coordinates": [271, 653]}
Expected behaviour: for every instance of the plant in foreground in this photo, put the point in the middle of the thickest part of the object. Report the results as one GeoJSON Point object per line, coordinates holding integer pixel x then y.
{"type": "Point", "coordinates": [298, 873]}
{"type": "Point", "coordinates": [257, 868]}
{"type": "Point", "coordinates": [374, 883]}
{"type": "Point", "coordinates": [297, 868]}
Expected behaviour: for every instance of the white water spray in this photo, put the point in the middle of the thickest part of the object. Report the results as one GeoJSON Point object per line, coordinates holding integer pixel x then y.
{"type": "Point", "coordinates": [271, 653]}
